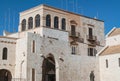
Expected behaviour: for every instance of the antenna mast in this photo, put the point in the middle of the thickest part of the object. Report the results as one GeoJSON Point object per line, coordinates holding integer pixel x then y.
{"type": "Point", "coordinates": [61, 3]}
{"type": "Point", "coordinates": [9, 20]}
{"type": "Point", "coordinates": [97, 15]}
{"type": "Point", "coordinates": [76, 6]}
{"type": "Point", "coordinates": [73, 6]}
{"type": "Point", "coordinates": [5, 21]}
{"type": "Point", "coordinates": [13, 21]}
{"type": "Point", "coordinates": [66, 4]}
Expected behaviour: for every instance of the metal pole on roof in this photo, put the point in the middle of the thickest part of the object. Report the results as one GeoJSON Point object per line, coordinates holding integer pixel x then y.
{"type": "Point", "coordinates": [97, 15]}
{"type": "Point", "coordinates": [5, 21]}
{"type": "Point", "coordinates": [73, 6]}
{"type": "Point", "coordinates": [9, 19]}
{"type": "Point", "coordinates": [61, 3]}
{"type": "Point", "coordinates": [13, 21]}
{"type": "Point", "coordinates": [66, 4]}
{"type": "Point", "coordinates": [76, 6]}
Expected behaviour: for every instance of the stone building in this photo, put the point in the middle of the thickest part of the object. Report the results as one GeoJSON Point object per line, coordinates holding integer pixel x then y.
{"type": "Point", "coordinates": [52, 45]}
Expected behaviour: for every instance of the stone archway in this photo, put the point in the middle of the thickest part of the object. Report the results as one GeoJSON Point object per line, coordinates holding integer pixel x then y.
{"type": "Point", "coordinates": [48, 69]}
{"type": "Point", "coordinates": [5, 75]}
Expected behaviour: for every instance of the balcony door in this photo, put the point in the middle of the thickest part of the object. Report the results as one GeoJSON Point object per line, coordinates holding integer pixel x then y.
{"type": "Point", "coordinates": [90, 33]}
{"type": "Point", "coordinates": [73, 30]}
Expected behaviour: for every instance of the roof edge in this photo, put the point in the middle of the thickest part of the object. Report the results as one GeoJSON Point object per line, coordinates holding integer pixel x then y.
{"type": "Point", "coordinates": [8, 37]}
{"type": "Point", "coordinates": [61, 10]}
{"type": "Point", "coordinates": [99, 53]}
{"type": "Point", "coordinates": [113, 29]}
{"type": "Point", "coordinates": [71, 12]}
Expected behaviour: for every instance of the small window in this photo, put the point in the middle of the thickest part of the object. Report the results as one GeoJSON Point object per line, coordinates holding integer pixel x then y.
{"type": "Point", "coordinates": [56, 22]}
{"type": "Point", "coordinates": [119, 61]}
{"type": "Point", "coordinates": [92, 52]}
{"type": "Point", "coordinates": [33, 74]}
{"type": "Point", "coordinates": [48, 21]}
{"type": "Point", "coordinates": [30, 23]}
{"type": "Point", "coordinates": [33, 46]}
{"type": "Point", "coordinates": [63, 24]}
{"type": "Point", "coordinates": [74, 49]}
{"type": "Point", "coordinates": [37, 20]}
{"type": "Point", "coordinates": [4, 57]}
{"type": "Point", "coordinates": [23, 25]}
{"type": "Point", "coordinates": [106, 63]}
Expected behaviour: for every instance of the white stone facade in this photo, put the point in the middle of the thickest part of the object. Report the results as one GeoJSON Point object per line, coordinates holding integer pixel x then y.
{"type": "Point", "coordinates": [25, 64]}
{"type": "Point", "coordinates": [109, 57]}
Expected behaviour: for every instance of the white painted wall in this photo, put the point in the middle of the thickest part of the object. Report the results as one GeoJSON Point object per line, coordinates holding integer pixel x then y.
{"type": "Point", "coordinates": [113, 71]}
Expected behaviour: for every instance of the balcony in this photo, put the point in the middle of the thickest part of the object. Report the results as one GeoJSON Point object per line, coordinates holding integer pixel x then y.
{"type": "Point", "coordinates": [94, 43]}
{"type": "Point", "coordinates": [74, 34]}
{"type": "Point", "coordinates": [91, 38]}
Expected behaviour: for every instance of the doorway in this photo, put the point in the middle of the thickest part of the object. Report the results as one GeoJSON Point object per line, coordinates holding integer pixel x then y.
{"type": "Point", "coordinates": [5, 75]}
{"type": "Point", "coordinates": [48, 69]}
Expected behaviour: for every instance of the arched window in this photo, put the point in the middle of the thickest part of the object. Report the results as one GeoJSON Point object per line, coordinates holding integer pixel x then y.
{"type": "Point", "coordinates": [48, 21]}
{"type": "Point", "coordinates": [4, 57]}
{"type": "Point", "coordinates": [37, 20]}
{"type": "Point", "coordinates": [63, 24]}
{"type": "Point", "coordinates": [30, 23]}
{"type": "Point", "coordinates": [106, 63]}
{"type": "Point", "coordinates": [23, 24]}
{"type": "Point", "coordinates": [56, 22]}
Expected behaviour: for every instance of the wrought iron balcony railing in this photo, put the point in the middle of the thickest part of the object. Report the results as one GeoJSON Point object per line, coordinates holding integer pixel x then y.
{"type": "Point", "coordinates": [74, 34]}
{"type": "Point", "coordinates": [91, 38]}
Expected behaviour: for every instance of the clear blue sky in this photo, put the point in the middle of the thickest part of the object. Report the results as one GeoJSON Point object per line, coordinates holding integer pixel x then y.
{"type": "Point", "coordinates": [106, 10]}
